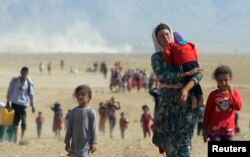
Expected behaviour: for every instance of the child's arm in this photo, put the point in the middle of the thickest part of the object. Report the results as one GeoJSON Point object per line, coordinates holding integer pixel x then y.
{"type": "Point", "coordinates": [236, 100]}
{"type": "Point", "coordinates": [68, 135]}
{"type": "Point", "coordinates": [141, 119]}
{"type": "Point", "coordinates": [168, 74]}
{"type": "Point", "coordinates": [151, 118]}
{"type": "Point", "coordinates": [94, 132]}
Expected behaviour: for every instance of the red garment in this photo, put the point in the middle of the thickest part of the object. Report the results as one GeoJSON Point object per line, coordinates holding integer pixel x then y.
{"type": "Point", "coordinates": [145, 120]}
{"type": "Point", "coordinates": [178, 54]}
{"type": "Point", "coordinates": [123, 122]}
{"type": "Point", "coordinates": [220, 109]}
{"type": "Point", "coordinates": [39, 120]}
{"type": "Point", "coordinates": [57, 124]}
{"type": "Point", "coordinates": [161, 151]}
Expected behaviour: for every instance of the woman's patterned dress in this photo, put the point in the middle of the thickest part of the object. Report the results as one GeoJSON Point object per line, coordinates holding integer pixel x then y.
{"type": "Point", "coordinates": [174, 120]}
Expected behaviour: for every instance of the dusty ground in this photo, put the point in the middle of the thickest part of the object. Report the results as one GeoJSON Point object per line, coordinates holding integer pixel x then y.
{"type": "Point", "coordinates": [60, 85]}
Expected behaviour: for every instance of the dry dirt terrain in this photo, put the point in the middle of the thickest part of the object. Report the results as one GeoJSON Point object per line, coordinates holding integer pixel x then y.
{"type": "Point", "coordinates": [60, 84]}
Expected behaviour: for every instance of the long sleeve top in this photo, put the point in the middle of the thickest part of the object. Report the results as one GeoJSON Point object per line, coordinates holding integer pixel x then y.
{"type": "Point", "coordinates": [81, 131]}
{"type": "Point", "coordinates": [179, 54]}
{"type": "Point", "coordinates": [145, 120]}
{"type": "Point", "coordinates": [167, 73]}
{"type": "Point", "coordinates": [21, 94]}
{"type": "Point", "coordinates": [220, 109]}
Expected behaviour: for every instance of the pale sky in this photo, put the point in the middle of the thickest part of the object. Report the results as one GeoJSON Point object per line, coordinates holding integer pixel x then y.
{"type": "Point", "coordinates": [121, 25]}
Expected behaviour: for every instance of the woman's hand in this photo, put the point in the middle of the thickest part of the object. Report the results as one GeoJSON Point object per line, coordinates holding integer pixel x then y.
{"type": "Point", "coordinates": [184, 91]}
{"type": "Point", "coordinates": [183, 94]}
{"type": "Point", "coordinates": [67, 147]}
{"type": "Point", "coordinates": [93, 148]}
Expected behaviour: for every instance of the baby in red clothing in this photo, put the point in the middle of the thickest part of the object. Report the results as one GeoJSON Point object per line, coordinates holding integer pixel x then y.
{"type": "Point", "coordinates": [185, 56]}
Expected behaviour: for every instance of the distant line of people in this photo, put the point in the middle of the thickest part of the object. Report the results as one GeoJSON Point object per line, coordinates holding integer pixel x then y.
{"type": "Point", "coordinates": [177, 107]}
{"type": "Point", "coordinates": [107, 112]}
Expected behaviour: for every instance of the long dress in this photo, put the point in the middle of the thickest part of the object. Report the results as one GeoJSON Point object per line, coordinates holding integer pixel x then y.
{"type": "Point", "coordinates": [174, 120]}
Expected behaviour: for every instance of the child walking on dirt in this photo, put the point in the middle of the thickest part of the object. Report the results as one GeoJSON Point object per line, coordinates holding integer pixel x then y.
{"type": "Point", "coordinates": [123, 124]}
{"type": "Point", "coordinates": [39, 123]}
{"type": "Point", "coordinates": [218, 124]}
{"type": "Point", "coordinates": [103, 113]}
{"type": "Point", "coordinates": [112, 106]}
{"type": "Point", "coordinates": [81, 134]}
{"type": "Point", "coordinates": [58, 119]}
{"type": "Point", "coordinates": [145, 121]}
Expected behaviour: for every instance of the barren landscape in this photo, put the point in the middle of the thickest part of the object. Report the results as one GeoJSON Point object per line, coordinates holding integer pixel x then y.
{"type": "Point", "coordinates": [60, 84]}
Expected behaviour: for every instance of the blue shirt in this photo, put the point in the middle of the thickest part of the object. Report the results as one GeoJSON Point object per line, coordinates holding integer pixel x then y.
{"type": "Point", "coordinates": [21, 94]}
{"type": "Point", "coordinates": [81, 131]}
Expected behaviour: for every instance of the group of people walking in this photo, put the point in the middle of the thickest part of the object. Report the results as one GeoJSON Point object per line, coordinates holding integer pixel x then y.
{"type": "Point", "coordinates": [178, 96]}
{"type": "Point", "coordinates": [107, 113]}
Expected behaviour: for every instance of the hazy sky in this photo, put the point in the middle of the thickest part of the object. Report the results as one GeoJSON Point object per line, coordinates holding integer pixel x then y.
{"type": "Point", "coordinates": [121, 25]}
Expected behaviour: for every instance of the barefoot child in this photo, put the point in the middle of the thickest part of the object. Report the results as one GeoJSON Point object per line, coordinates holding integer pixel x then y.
{"type": "Point", "coordinates": [81, 134]}
{"type": "Point", "coordinates": [145, 121]}
{"type": "Point", "coordinates": [39, 123]}
{"type": "Point", "coordinates": [218, 124]}
{"type": "Point", "coordinates": [123, 124]}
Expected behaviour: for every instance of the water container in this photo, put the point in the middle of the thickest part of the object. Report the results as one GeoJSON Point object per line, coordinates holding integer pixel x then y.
{"type": "Point", "coordinates": [6, 116]}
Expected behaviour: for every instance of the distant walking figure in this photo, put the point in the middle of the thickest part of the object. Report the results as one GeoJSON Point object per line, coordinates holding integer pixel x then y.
{"type": "Point", "coordinates": [123, 124]}
{"type": "Point", "coordinates": [39, 124]}
{"type": "Point", "coordinates": [103, 113]}
{"type": "Point", "coordinates": [49, 66]}
{"type": "Point", "coordinates": [58, 118]}
{"type": "Point", "coordinates": [20, 93]}
{"type": "Point", "coordinates": [112, 107]}
{"type": "Point", "coordinates": [145, 121]}
{"type": "Point", "coordinates": [41, 67]}
{"type": "Point", "coordinates": [62, 64]}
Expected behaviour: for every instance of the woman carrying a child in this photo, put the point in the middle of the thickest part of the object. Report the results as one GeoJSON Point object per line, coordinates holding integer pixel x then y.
{"type": "Point", "coordinates": [173, 124]}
